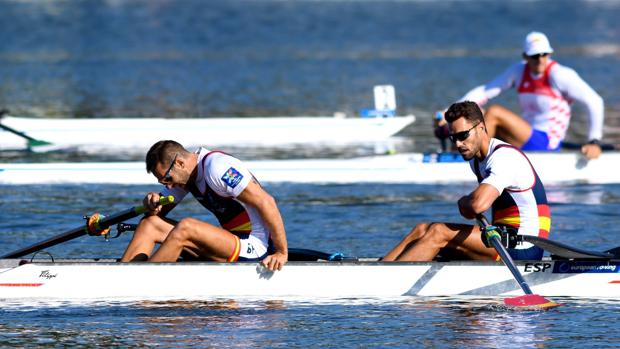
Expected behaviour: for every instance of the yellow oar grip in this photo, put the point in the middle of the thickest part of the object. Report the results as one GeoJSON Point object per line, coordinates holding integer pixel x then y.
{"type": "Point", "coordinates": [491, 233]}
{"type": "Point", "coordinates": [163, 200]}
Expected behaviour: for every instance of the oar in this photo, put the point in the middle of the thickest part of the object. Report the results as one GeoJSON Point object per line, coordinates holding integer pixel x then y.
{"type": "Point", "coordinates": [32, 142]}
{"type": "Point", "coordinates": [529, 300]}
{"type": "Point", "coordinates": [83, 230]}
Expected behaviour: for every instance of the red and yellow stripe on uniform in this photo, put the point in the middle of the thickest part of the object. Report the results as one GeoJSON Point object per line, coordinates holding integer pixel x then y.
{"type": "Point", "coordinates": [235, 255]}
{"type": "Point", "coordinates": [240, 224]}
{"type": "Point", "coordinates": [511, 216]}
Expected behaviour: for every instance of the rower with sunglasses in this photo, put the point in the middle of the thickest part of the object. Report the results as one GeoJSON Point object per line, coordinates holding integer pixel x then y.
{"type": "Point", "coordinates": [508, 184]}
{"type": "Point", "coordinates": [546, 91]}
{"type": "Point", "coordinates": [251, 227]}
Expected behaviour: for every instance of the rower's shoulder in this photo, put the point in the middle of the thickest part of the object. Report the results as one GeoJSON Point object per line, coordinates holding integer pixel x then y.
{"type": "Point", "coordinates": [503, 150]}
{"type": "Point", "coordinates": [559, 70]}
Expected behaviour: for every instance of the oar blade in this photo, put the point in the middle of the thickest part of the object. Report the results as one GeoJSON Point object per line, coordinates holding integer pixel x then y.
{"type": "Point", "coordinates": [531, 301]}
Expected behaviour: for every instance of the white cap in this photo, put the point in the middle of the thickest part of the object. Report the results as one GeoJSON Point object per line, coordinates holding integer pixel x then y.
{"type": "Point", "coordinates": [536, 43]}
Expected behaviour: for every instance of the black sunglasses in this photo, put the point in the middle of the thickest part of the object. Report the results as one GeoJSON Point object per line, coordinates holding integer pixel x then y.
{"type": "Point", "coordinates": [537, 56]}
{"type": "Point", "coordinates": [167, 178]}
{"type": "Point", "coordinates": [461, 136]}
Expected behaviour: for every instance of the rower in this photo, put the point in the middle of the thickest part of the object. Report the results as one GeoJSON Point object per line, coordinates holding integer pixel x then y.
{"type": "Point", "coordinates": [508, 184]}
{"type": "Point", "coordinates": [251, 227]}
{"type": "Point", "coordinates": [546, 91]}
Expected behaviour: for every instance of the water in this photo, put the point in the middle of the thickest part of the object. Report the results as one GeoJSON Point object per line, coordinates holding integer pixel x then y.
{"type": "Point", "coordinates": [190, 58]}
{"type": "Point", "coordinates": [368, 324]}
{"type": "Point", "coordinates": [358, 220]}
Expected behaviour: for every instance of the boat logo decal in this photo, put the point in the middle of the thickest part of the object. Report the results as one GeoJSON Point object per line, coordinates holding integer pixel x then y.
{"type": "Point", "coordinates": [232, 177]}
{"type": "Point", "coordinates": [45, 274]}
{"type": "Point", "coordinates": [536, 267]}
{"type": "Point", "coordinates": [585, 267]}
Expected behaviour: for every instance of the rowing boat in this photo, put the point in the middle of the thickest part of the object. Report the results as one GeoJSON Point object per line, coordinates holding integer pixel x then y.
{"type": "Point", "coordinates": [553, 168]}
{"type": "Point", "coordinates": [567, 271]}
{"type": "Point", "coordinates": [137, 134]}
{"type": "Point", "coordinates": [107, 279]}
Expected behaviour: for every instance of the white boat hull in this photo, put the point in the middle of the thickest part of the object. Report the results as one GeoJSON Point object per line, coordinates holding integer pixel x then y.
{"type": "Point", "coordinates": [138, 134]}
{"type": "Point", "coordinates": [307, 280]}
{"type": "Point", "coordinates": [553, 168]}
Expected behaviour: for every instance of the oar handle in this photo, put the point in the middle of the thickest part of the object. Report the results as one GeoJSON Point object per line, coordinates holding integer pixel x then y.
{"type": "Point", "coordinates": [482, 220]}
{"type": "Point", "coordinates": [163, 200]}
{"type": "Point", "coordinates": [97, 224]}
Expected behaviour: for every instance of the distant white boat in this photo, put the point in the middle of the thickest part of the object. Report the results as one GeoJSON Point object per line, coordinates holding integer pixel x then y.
{"type": "Point", "coordinates": [564, 167]}
{"type": "Point", "coordinates": [138, 134]}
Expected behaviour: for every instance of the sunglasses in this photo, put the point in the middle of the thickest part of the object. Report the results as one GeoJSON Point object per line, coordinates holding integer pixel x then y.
{"type": "Point", "coordinates": [167, 178]}
{"type": "Point", "coordinates": [461, 136]}
{"type": "Point", "coordinates": [537, 56]}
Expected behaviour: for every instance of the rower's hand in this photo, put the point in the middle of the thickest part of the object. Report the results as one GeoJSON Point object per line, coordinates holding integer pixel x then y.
{"type": "Point", "coordinates": [465, 208]}
{"type": "Point", "coordinates": [151, 202]}
{"type": "Point", "coordinates": [275, 261]}
{"type": "Point", "coordinates": [591, 151]}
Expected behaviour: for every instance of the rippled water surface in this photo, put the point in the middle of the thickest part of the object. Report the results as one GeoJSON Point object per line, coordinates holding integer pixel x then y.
{"type": "Point", "coordinates": [366, 323]}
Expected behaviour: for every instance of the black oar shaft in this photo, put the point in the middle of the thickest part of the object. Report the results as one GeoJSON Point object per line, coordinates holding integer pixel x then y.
{"type": "Point", "coordinates": [503, 253]}
{"type": "Point", "coordinates": [72, 234]}
{"type": "Point", "coordinates": [77, 232]}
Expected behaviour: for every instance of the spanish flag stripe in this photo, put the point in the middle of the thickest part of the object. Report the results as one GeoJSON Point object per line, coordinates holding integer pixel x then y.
{"type": "Point", "coordinates": [244, 228]}
{"type": "Point", "coordinates": [544, 223]}
{"type": "Point", "coordinates": [238, 220]}
{"type": "Point", "coordinates": [543, 210]}
{"type": "Point", "coordinates": [512, 221]}
{"type": "Point", "coordinates": [506, 212]}
{"type": "Point", "coordinates": [233, 257]}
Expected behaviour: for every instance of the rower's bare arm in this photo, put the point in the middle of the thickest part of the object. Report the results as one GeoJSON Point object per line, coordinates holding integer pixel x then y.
{"type": "Point", "coordinates": [478, 201]}
{"type": "Point", "coordinates": [265, 204]}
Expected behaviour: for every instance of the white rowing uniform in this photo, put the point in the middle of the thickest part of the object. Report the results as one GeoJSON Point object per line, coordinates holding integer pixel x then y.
{"type": "Point", "coordinates": [220, 179]}
{"type": "Point", "coordinates": [522, 203]}
{"type": "Point", "coordinates": [546, 99]}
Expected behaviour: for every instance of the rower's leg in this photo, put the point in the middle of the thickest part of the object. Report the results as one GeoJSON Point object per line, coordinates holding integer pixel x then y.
{"type": "Point", "coordinates": [150, 231]}
{"type": "Point", "coordinates": [206, 240]}
{"type": "Point", "coordinates": [507, 126]}
{"type": "Point", "coordinates": [406, 242]}
{"type": "Point", "coordinates": [460, 237]}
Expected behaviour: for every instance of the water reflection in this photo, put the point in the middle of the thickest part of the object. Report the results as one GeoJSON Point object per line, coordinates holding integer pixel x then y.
{"type": "Point", "coordinates": [400, 322]}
